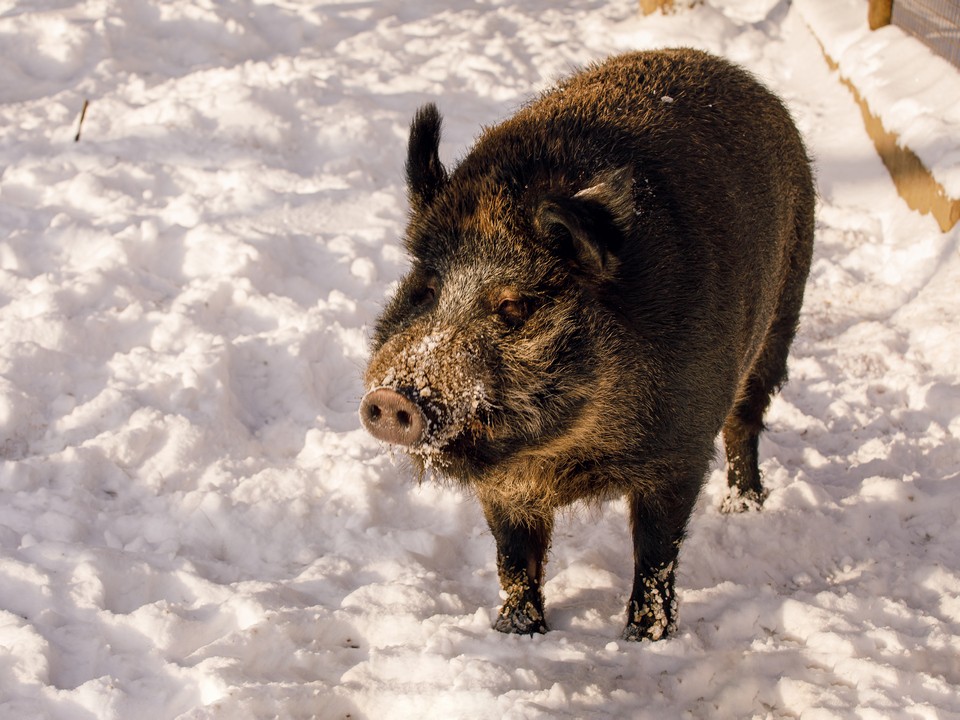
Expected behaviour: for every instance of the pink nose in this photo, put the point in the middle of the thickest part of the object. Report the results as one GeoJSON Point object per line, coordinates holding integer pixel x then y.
{"type": "Point", "coordinates": [392, 417]}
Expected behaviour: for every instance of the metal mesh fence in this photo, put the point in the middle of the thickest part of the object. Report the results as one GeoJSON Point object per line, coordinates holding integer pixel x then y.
{"type": "Point", "coordinates": [934, 22]}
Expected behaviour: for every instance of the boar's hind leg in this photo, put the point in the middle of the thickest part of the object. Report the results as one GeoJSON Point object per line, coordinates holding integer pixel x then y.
{"type": "Point", "coordinates": [741, 435]}
{"type": "Point", "coordinates": [743, 426]}
{"type": "Point", "coordinates": [651, 612]}
{"type": "Point", "coordinates": [741, 431]}
{"type": "Point", "coordinates": [521, 554]}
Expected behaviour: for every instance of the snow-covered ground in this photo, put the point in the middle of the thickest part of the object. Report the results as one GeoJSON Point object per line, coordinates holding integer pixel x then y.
{"type": "Point", "coordinates": [192, 522]}
{"type": "Point", "coordinates": [915, 93]}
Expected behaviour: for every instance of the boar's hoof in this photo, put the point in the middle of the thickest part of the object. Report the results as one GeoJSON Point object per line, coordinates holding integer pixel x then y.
{"type": "Point", "coordinates": [521, 618]}
{"type": "Point", "coordinates": [392, 417]}
{"type": "Point", "coordinates": [648, 622]}
{"type": "Point", "coordinates": [638, 632]}
{"type": "Point", "coordinates": [738, 501]}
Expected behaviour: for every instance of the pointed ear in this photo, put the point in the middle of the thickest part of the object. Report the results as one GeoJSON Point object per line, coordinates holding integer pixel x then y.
{"type": "Point", "coordinates": [590, 227]}
{"type": "Point", "coordinates": [614, 190]}
{"type": "Point", "coordinates": [425, 173]}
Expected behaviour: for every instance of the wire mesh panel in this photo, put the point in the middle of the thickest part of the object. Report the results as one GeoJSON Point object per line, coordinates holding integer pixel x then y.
{"type": "Point", "coordinates": [935, 22]}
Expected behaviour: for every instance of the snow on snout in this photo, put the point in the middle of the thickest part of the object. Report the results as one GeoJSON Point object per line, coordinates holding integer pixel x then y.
{"type": "Point", "coordinates": [440, 372]}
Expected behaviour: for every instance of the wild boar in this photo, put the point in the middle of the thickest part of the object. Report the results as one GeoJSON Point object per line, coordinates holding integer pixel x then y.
{"type": "Point", "coordinates": [609, 279]}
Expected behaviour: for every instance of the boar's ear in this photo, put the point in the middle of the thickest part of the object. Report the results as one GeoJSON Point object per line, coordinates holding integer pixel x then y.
{"type": "Point", "coordinates": [590, 227]}
{"type": "Point", "coordinates": [425, 173]}
{"type": "Point", "coordinates": [570, 226]}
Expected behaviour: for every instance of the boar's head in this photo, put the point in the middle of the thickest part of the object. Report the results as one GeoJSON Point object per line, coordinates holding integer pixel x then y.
{"type": "Point", "coordinates": [492, 343]}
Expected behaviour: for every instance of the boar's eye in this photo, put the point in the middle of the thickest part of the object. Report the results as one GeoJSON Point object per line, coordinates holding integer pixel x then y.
{"type": "Point", "coordinates": [424, 293]}
{"type": "Point", "coordinates": [513, 309]}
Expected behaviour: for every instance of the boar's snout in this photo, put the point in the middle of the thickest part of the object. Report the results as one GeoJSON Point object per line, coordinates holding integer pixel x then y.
{"type": "Point", "coordinates": [392, 417]}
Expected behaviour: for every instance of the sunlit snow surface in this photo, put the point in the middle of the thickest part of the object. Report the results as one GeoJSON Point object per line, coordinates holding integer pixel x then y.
{"type": "Point", "coordinates": [193, 523]}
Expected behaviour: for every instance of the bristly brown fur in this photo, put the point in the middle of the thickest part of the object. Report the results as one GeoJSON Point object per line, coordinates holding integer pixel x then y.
{"type": "Point", "coordinates": [608, 279]}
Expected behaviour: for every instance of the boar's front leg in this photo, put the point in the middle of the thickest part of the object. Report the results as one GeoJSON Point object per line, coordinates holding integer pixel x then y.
{"type": "Point", "coordinates": [521, 554]}
{"type": "Point", "coordinates": [651, 612]}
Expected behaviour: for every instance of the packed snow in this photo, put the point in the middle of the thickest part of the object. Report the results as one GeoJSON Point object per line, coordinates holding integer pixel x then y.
{"type": "Point", "coordinates": [193, 523]}
{"type": "Point", "coordinates": [914, 92]}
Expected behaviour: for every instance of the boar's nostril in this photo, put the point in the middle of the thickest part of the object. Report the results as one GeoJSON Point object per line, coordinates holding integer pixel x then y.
{"type": "Point", "coordinates": [392, 417]}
